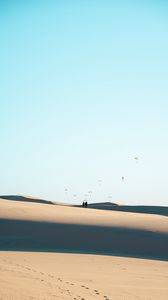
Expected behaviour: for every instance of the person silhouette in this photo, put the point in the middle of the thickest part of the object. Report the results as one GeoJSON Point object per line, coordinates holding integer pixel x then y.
{"type": "Point", "coordinates": [86, 204]}
{"type": "Point", "coordinates": [83, 204]}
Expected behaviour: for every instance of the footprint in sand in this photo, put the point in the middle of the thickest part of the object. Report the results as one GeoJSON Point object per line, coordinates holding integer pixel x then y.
{"type": "Point", "coordinates": [60, 279]}
{"type": "Point", "coordinates": [85, 287]}
{"type": "Point", "coordinates": [97, 292]}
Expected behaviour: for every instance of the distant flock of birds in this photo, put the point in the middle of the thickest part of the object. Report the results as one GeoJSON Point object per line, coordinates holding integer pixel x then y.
{"type": "Point", "coordinates": [100, 182]}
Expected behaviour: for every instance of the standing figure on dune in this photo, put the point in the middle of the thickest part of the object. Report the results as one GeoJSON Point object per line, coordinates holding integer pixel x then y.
{"type": "Point", "coordinates": [84, 204]}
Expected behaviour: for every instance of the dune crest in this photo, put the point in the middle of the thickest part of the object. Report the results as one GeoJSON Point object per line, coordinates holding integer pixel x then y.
{"type": "Point", "coordinates": [24, 199]}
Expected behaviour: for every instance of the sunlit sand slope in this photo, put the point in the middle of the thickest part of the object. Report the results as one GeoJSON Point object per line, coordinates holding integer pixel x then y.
{"type": "Point", "coordinates": [39, 276]}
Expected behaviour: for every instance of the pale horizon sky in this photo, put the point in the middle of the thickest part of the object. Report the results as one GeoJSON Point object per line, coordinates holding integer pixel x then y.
{"type": "Point", "coordinates": [84, 90]}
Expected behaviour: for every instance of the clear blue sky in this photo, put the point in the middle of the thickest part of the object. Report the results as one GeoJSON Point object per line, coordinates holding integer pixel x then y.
{"type": "Point", "coordinates": [83, 90]}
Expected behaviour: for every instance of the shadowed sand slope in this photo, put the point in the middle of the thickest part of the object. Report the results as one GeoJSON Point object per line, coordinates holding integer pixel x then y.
{"type": "Point", "coordinates": [69, 229]}
{"type": "Point", "coordinates": [158, 210]}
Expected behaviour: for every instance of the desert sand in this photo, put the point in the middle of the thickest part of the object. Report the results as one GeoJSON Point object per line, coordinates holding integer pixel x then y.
{"type": "Point", "coordinates": [60, 252]}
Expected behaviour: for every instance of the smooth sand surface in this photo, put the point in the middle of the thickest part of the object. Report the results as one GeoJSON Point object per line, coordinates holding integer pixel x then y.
{"type": "Point", "coordinates": [46, 252]}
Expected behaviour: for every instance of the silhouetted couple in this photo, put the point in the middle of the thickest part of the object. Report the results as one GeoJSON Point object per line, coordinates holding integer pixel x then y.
{"type": "Point", "coordinates": [84, 204]}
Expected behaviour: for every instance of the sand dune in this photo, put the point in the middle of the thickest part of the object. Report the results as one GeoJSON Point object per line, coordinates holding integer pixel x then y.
{"type": "Point", "coordinates": [158, 210]}
{"type": "Point", "coordinates": [27, 226]}
{"type": "Point", "coordinates": [44, 253]}
{"type": "Point", "coordinates": [24, 199]}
